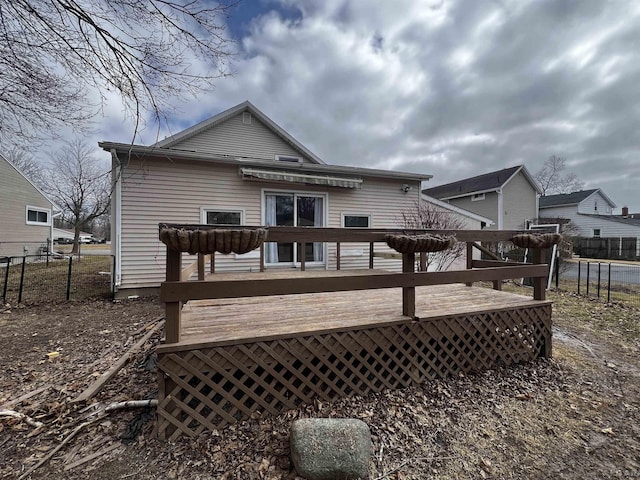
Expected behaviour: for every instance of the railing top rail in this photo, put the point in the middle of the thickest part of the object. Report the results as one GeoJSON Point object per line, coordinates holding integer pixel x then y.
{"type": "Point", "coordinates": [329, 234]}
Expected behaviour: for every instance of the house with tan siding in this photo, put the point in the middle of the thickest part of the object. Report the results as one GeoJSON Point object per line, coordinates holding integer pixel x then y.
{"type": "Point", "coordinates": [26, 214]}
{"type": "Point", "coordinates": [240, 168]}
{"type": "Point", "coordinates": [509, 196]}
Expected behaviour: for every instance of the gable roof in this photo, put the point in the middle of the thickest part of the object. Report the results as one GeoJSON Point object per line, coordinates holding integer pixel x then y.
{"type": "Point", "coordinates": [487, 182]}
{"type": "Point", "coordinates": [574, 198]}
{"type": "Point", "coordinates": [456, 209]}
{"type": "Point", "coordinates": [245, 106]}
{"type": "Point", "coordinates": [53, 205]}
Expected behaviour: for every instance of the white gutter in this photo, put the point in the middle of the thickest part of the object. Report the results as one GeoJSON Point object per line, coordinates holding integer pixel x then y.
{"type": "Point", "coordinates": [116, 215]}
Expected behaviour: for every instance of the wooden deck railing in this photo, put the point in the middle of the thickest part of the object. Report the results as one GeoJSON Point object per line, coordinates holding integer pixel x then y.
{"type": "Point", "coordinates": [176, 290]}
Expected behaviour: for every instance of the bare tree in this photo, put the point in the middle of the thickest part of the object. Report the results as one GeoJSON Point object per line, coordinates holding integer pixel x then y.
{"type": "Point", "coordinates": [56, 54]}
{"type": "Point", "coordinates": [78, 185]}
{"type": "Point", "coordinates": [425, 215]}
{"type": "Point", "coordinates": [551, 179]}
{"type": "Point", "coordinates": [27, 164]}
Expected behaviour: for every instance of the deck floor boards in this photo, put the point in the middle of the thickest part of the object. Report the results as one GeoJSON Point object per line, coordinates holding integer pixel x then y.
{"type": "Point", "coordinates": [250, 319]}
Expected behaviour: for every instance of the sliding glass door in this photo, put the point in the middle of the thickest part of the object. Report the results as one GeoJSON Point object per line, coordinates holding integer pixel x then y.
{"type": "Point", "coordinates": [294, 210]}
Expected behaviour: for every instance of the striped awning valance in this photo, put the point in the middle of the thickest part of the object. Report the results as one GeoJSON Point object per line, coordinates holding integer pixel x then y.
{"type": "Point", "coordinates": [306, 178]}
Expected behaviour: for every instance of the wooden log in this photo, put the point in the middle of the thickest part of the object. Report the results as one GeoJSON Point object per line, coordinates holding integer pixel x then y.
{"type": "Point", "coordinates": [115, 368]}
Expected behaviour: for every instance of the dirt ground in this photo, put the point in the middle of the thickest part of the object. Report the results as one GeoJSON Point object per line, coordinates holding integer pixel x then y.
{"type": "Point", "coordinates": [576, 416]}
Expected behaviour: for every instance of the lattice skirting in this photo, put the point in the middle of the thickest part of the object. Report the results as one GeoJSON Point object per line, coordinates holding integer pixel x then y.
{"type": "Point", "coordinates": [207, 388]}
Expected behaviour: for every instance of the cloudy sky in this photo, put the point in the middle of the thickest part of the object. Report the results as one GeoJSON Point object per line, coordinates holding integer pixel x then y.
{"type": "Point", "coordinates": [449, 88]}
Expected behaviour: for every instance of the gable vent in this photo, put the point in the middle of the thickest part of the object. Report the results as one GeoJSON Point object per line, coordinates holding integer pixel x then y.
{"type": "Point", "coordinates": [246, 118]}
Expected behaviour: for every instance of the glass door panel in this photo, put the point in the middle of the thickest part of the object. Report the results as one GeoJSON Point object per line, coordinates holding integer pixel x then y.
{"type": "Point", "coordinates": [293, 210]}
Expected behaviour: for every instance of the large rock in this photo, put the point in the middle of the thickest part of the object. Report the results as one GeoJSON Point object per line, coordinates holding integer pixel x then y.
{"type": "Point", "coordinates": [331, 448]}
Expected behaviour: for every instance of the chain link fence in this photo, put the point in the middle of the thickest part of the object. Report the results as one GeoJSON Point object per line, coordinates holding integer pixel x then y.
{"type": "Point", "coordinates": [54, 277]}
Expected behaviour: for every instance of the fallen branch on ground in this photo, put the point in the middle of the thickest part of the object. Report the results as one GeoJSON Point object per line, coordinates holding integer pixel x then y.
{"type": "Point", "coordinates": [106, 376]}
{"type": "Point", "coordinates": [131, 404]}
{"type": "Point", "coordinates": [26, 418]}
{"type": "Point", "coordinates": [62, 444]}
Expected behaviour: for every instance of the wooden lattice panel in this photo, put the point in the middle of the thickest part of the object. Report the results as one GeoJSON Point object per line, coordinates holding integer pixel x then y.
{"type": "Point", "coordinates": [207, 388]}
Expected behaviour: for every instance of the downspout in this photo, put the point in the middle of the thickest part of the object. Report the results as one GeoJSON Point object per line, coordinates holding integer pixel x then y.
{"type": "Point", "coordinates": [116, 216]}
{"type": "Point", "coordinates": [500, 209]}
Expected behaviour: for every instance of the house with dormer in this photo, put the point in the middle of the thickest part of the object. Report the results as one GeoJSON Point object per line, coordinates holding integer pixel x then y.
{"type": "Point", "coordinates": [241, 168]}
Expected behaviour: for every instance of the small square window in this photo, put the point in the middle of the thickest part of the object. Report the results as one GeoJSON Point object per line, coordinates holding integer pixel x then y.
{"type": "Point", "coordinates": [477, 196]}
{"type": "Point", "coordinates": [38, 216]}
{"type": "Point", "coordinates": [596, 232]}
{"type": "Point", "coordinates": [223, 217]}
{"type": "Point", "coordinates": [356, 221]}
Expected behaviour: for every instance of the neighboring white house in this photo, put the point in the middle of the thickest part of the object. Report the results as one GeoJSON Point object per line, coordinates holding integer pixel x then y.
{"type": "Point", "coordinates": [508, 197]}
{"type": "Point", "coordinates": [26, 214]}
{"type": "Point", "coordinates": [591, 215]}
{"type": "Point", "coordinates": [241, 168]}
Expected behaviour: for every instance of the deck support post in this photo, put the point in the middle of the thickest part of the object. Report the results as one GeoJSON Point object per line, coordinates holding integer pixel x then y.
{"type": "Point", "coordinates": [408, 293]}
{"type": "Point", "coordinates": [212, 264]}
{"type": "Point", "coordinates": [539, 283]}
{"type": "Point", "coordinates": [201, 262]}
{"type": "Point", "coordinates": [469, 260]}
{"type": "Point", "coordinates": [173, 310]}
{"type": "Point", "coordinates": [337, 255]}
{"type": "Point", "coordinates": [303, 255]}
{"type": "Point", "coordinates": [371, 256]}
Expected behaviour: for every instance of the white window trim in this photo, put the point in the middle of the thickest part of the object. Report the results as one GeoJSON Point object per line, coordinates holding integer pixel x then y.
{"type": "Point", "coordinates": [280, 158]}
{"type": "Point", "coordinates": [599, 235]}
{"type": "Point", "coordinates": [350, 214]}
{"type": "Point", "coordinates": [477, 197]}
{"type": "Point", "coordinates": [204, 210]}
{"type": "Point", "coordinates": [37, 209]}
{"type": "Point", "coordinates": [325, 220]}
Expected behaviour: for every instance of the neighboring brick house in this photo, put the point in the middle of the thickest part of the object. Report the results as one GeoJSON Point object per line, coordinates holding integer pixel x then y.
{"type": "Point", "coordinates": [509, 197]}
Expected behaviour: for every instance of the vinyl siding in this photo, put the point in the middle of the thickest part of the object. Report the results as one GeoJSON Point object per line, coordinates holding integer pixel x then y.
{"type": "Point", "coordinates": [236, 139]}
{"type": "Point", "coordinates": [485, 208]}
{"type": "Point", "coordinates": [589, 204]}
{"type": "Point", "coordinates": [16, 192]}
{"type": "Point", "coordinates": [159, 190]}
{"type": "Point", "coordinates": [585, 224]}
{"type": "Point", "coordinates": [519, 202]}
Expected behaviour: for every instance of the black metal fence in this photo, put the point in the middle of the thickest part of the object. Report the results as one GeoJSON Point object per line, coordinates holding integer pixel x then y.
{"type": "Point", "coordinates": [609, 281]}
{"type": "Point", "coordinates": [42, 278]}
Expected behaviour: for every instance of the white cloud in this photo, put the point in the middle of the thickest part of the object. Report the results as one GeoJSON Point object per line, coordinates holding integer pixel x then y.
{"type": "Point", "coordinates": [449, 88]}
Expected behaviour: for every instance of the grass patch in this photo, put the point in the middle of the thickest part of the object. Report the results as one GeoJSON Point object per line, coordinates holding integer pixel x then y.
{"type": "Point", "coordinates": [90, 278]}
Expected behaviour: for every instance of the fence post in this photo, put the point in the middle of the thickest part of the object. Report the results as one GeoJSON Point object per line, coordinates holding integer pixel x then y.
{"type": "Point", "coordinates": [24, 262]}
{"type": "Point", "coordinates": [599, 268]}
{"type": "Point", "coordinates": [558, 272]}
{"type": "Point", "coordinates": [49, 247]}
{"type": "Point", "coordinates": [69, 278]}
{"type": "Point", "coordinates": [579, 268]}
{"type": "Point", "coordinates": [6, 281]}
{"type": "Point", "coordinates": [609, 284]}
{"type": "Point", "coordinates": [588, 268]}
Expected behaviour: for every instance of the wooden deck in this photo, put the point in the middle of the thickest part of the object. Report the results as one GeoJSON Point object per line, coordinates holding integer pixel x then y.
{"type": "Point", "coordinates": [241, 355]}
{"type": "Point", "coordinates": [237, 344]}
{"type": "Point", "coordinates": [208, 323]}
